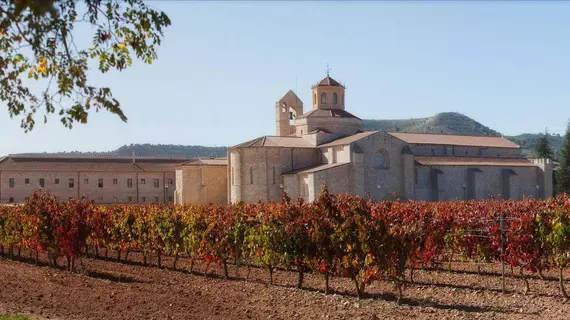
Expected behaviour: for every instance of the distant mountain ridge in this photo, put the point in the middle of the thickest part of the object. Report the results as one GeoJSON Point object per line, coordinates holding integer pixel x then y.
{"type": "Point", "coordinates": [446, 123]}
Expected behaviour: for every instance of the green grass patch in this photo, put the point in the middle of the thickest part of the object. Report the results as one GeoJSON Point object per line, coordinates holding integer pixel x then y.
{"type": "Point", "coordinates": [6, 317]}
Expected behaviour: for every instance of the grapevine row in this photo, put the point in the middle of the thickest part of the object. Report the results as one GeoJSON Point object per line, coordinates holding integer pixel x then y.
{"type": "Point", "coordinates": [336, 235]}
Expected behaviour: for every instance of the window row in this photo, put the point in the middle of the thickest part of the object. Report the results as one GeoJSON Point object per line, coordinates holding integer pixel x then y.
{"type": "Point", "coordinates": [115, 200]}
{"type": "Point", "coordinates": [251, 179]}
{"type": "Point", "coordinates": [324, 98]}
{"type": "Point", "coordinates": [71, 182]}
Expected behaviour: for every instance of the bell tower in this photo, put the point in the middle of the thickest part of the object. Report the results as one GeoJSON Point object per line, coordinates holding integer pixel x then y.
{"type": "Point", "coordinates": [328, 93]}
{"type": "Point", "coordinates": [287, 109]}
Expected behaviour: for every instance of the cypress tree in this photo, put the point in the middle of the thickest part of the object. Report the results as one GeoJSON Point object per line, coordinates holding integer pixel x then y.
{"type": "Point", "coordinates": [543, 149]}
{"type": "Point", "coordinates": [563, 175]}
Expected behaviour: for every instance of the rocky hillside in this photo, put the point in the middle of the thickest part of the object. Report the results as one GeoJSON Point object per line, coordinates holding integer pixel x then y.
{"type": "Point", "coordinates": [457, 123]}
{"type": "Point", "coordinates": [448, 122]}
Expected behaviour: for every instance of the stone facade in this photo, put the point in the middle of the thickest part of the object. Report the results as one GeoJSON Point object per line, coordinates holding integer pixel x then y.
{"type": "Point", "coordinates": [326, 147]}
{"type": "Point", "coordinates": [102, 179]}
{"type": "Point", "coordinates": [202, 181]}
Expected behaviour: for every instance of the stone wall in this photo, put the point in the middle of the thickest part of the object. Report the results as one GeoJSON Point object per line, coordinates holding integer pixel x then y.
{"type": "Point", "coordinates": [202, 184]}
{"type": "Point", "coordinates": [384, 182]}
{"type": "Point", "coordinates": [488, 181]}
{"type": "Point", "coordinates": [257, 171]}
{"type": "Point", "coordinates": [114, 189]}
{"type": "Point", "coordinates": [460, 151]}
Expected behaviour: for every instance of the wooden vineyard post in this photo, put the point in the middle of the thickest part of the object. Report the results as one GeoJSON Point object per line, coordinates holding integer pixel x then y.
{"type": "Point", "coordinates": [502, 225]}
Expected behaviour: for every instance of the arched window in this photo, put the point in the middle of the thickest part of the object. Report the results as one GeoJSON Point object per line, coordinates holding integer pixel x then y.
{"type": "Point", "coordinates": [323, 98]}
{"type": "Point", "coordinates": [381, 160]}
{"type": "Point", "coordinates": [335, 98]}
{"type": "Point", "coordinates": [314, 98]}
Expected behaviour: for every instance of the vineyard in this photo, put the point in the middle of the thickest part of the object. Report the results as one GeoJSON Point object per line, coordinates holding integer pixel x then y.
{"type": "Point", "coordinates": [335, 236]}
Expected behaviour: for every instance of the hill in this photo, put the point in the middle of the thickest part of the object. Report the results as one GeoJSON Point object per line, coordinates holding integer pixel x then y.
{"type": "Point", "coordinates": [447, 122]}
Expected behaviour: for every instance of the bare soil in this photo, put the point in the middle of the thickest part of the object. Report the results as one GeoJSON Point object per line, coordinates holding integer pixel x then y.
{"type": "Point", "coordinates": [110, 290]}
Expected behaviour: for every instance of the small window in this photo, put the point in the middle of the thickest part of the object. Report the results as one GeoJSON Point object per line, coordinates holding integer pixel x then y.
{"type": "Point", "coordinates": [71, 183]}
{"type": "Point", "coordinates": [143, 199]}
{"type": "Point", "coordinates": [11, 200]}
{"type": "Point", "coordinates": [130, 198]}
{"type": "Point", "coordinates": [129, 183]}
{"type": "Point", "coordinates": [415, 175]}
{"type": "Point", "coordinates": [273, 175]}
{"type": "Point", "coordinates": [466, 152]}
{"type": "Point", "coordinates": [42, 182]}
{"type": "Point", "coordinates": [156, 183]}
{"type": "Point", "coordinates": [27, 181]}
{"type": "Point", "coordinates": [114, 199]}
{"type": "Point", "coordinates": [115, 181]}
{"type": "Point", "coordinates": [86, 181]}
{"type": "Point", "coordinates": [11, 182]}
{"type": "Point", "coordinates": [100, 183]}
{"type": "Point", "coordinates": [169, 181]}
{"type": "Point", "coordinates": [26, 199]}
{"type": "Point", "coordinates": [335, 98]}
{"type": "Point", "coordinates": [143, 181]}
{"type": "Point", "coordinates": [170, 199]}
{"type": "Point", "coordinates": [156, 199]}
{"type": "Point", "coordinates": [56, 181]}
{"type": "Point", "coordinates": [432, 152]}
{"type": "Point", "coordinates": [323, 98]}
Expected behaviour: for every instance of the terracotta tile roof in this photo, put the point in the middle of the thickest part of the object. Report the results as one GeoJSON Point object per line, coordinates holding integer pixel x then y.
{"type": "Point", "coordinates": [83, 163]}
{"type": "Point", "coordinates": [317, 168]}
{"type": "Point", "coordinates": [328, 82]}
{"type": "Point", "coordinates": [105, 158]}
{"type": "Point", "coordinates": [206, 162]}
{"type": "Point", "coordinates": [317, 130]}
{"type": "Point", "coordinates": [347, 140]}
{"type": "Point", "coordinates": [328, 113]}
{"type": "Point", "coordinates": [473, 161]}
{"type": "Point", "coordinates": [277, 142]}
{"type": "Point", "coordinates": [457, 140]}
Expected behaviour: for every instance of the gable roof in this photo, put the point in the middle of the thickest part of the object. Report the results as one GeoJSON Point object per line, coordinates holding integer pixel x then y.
{"type": "Point", "coordinates": [316, 168]}
{"type": "Point", "coordinates": [292, 94]}
{"type": "Point", "coordinates": [69, 163]}
{"type": "Point", "coordinates": [328, 82]}
{"type": "Point", "coordinates": [456, 140]}
{"type": "Point", "coordinates": [326, 112]}
{"type": "Point", "coordinates": [276, 141]}
{"type": "Point", "coordinates": [206, 162]}
{"type": "Point", "coordinates": [473, 161]}
{"type": "Point", "coordinates": [348, 140]}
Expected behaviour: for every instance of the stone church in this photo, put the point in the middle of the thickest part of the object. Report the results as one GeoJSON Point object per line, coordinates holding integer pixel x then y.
{"type": "Point", "coordinates": [326, 146]}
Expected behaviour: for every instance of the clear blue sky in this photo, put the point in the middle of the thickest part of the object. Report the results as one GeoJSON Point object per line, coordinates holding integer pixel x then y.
{"type": "Point", "coordinates": [224, 64]}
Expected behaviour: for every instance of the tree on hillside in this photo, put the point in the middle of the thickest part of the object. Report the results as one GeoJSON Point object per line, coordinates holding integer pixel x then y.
{"type": "Point", "coordinates": [37, 43]}
{"type": "Point", "coordinates": [543, 149]}
{"type": "Point", "coordinates": [563, 174]}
